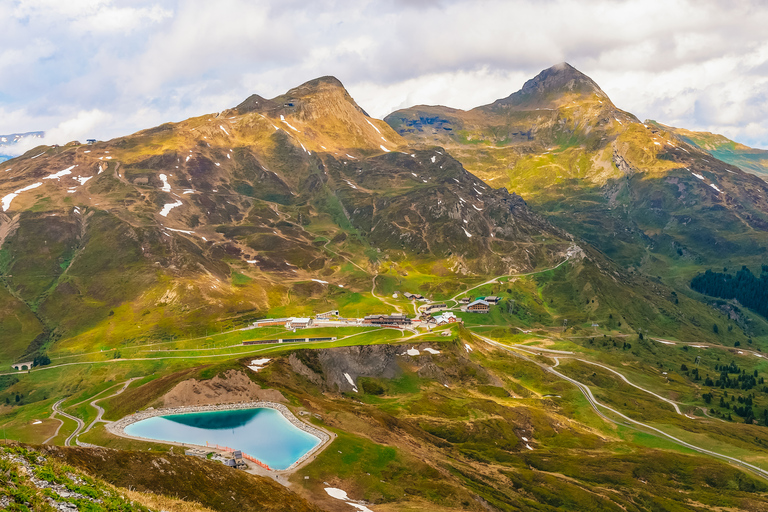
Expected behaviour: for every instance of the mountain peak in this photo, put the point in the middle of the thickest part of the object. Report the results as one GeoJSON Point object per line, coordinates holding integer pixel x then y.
{"type": "Point", "coordinates": [312, 99]}
{"type": "Point", "coordinates": [559, 77]}
{"type": "Point", "coordinates": [551, 85]}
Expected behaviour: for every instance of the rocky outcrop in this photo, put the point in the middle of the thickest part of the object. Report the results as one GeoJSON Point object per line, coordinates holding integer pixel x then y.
{"type": "Point", "coordinates": [233, 386]}
{"type": "Point", "coordinates": [338, 369]}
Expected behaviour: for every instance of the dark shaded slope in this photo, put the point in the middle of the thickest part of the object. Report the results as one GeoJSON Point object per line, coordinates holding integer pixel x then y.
{"type": "Point", "coordinates": [634, 190]}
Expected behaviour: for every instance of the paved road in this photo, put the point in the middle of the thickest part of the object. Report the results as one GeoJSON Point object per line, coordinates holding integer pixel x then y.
{"type": "Point", "coordinates": [124, 359]}
{"type": "Point", "coordinates": [80, 423]}
{"type": "Point", "coordinates": [627, 420]}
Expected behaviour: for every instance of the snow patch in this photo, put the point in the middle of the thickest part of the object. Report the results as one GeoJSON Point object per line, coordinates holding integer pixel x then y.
{"type": "Point", "coordinates": [258, 364]}
{"type": "Point", "coordinates": [320, 281]}
{"type": "Point", "coordinates": [6, 201]}
{"type": "Point", "coordinates": [698, 175]}
{"type": "Point", "coordinates": [431, 350]}
{"type": "Point", "coordinates": [361, 508]}
{"type": "Point", "coordinates": [83, 179]}
{"type": "Point", "coordinates": [466, 346]}
{"type": "Point", "coordinates": [350, 184]}
{"type": "Point", "coordinates": [336, 493]}
{"type": "Point", "coordinates": [433, 159]}
{"type": "Point", "coordinates": [166, 185]}
{"type": "Point", "coordinates": [528, 446]}
{"type": "Point", "coordinates": [715, 187]}
{"type": "Point", "coordinates": [412, 352]}
{"type": "Point", "coordinates": [352, 382]}
{"type": "Point", "coordinates": [36, 422]}
{"type": "Point", "coordinates": [224, 129]}
{"type": "Point", "coordinates": [384, 149]}
{"type": "Point", "coordinates": [469, 235]}
{"type": "Point", "coordinates": [168, 207]}
{"type": "Point", "coordinates": [181, 231]}
{"type": "Point", "coordinates": [374, 126]}
{"type": "Point", "coordinates": [476, 208]}
{"type": "Point", "coordinates": [60, 174]}
{"type": "Point", "coordinates": [282, 118]}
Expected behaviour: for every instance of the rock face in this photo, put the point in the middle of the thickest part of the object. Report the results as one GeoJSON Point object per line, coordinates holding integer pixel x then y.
{"type": "Point", "coordinates": [329, 368]}
{"type": "Point", "coordinates": [337, 369]}
{"type": "Point", "coordinates": [234, 386]}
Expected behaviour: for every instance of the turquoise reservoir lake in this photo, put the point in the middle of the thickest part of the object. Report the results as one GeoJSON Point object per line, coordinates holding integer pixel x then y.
{"type": "Point", "coordinates": [262, 433]}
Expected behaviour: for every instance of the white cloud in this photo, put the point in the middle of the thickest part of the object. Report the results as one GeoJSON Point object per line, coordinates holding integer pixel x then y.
{"type": "Point", "coordinates": [89, 15]}
{"type": "Point", "coordinates": [80, 127]}
{"type": "Point", "coordinates": [697, 64]}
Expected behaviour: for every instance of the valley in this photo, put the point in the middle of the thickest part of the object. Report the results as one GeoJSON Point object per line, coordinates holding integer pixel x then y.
{"type": "Point", "coordinates": [484, 310]}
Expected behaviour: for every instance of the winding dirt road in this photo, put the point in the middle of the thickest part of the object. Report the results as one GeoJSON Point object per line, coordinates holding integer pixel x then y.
{"type": "Point", "coordinates": [596, 405]}
{"type": "Point", "coordinates": [80, 423]}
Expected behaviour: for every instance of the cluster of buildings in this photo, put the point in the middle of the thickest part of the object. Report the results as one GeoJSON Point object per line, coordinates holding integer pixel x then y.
{"type": "Point", "coordinates": [236, 460]}
{"type": "Point", "coordinates": [396, 320]}
{"type": "Point", "coordinates": [393, 320]}
{"type": "Point", "coordinates": [448, 317]}
{"type": "Point", "coordinates": [479, 305]}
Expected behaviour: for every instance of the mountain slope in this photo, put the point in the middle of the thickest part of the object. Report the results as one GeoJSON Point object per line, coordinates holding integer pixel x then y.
{"type": "Point", "coordinates": [219, 219]}
{"type": "Point", "coordinates": [634, 190]}
{"type": "Point", "coordinates": [747, 159]}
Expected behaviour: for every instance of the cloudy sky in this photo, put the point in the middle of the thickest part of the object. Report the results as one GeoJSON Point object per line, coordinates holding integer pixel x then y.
{"type": "Point", "coordinates": [101, 68]}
